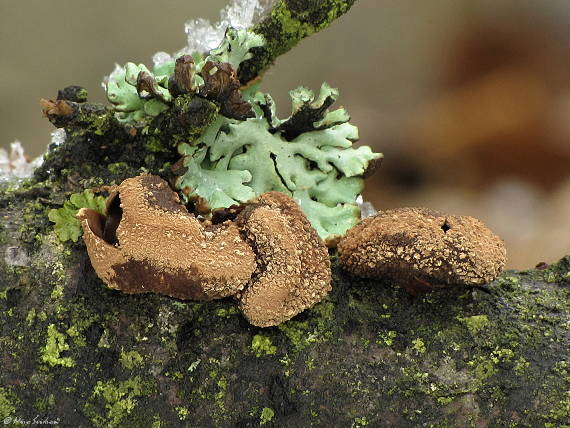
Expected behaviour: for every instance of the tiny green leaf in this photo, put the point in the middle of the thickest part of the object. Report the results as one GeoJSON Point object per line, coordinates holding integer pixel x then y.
{"type": "Point", "coordinates": [67, 227]}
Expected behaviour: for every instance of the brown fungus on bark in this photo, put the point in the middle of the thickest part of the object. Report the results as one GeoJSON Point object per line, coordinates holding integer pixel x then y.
{"type": "Point", "coordinates": [222, 86]}
{"type": "Point", "coordinates": [293, 270]}
{"type": "Point", "coordinates": [181, 81]}
{"type": "Point", "coordinates": [147, 87]}
{"type": "Point", "coordinates": [59, 112]}
{"type": "Point", "coordinates": [421, 248]}
{"type": "Point", "coordinates": [148, 242]}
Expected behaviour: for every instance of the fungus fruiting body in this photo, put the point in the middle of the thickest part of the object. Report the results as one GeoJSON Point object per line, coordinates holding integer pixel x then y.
{"type": "Point", "coordinates": [422, 246]}
{"type": "Point", "coordinates": [149, 242]}
{"type": "Point", "coordinates": [293, 263]}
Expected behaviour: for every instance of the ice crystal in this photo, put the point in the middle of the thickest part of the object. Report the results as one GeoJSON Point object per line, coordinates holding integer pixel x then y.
{"type": "Point", "coordinates": [366, 208]}
{"type": "Point", "coordinates": [16, 256]}
{"type": "Point", "coordinates": [15, 164]}
{"type": "Point", "coordinates": [203, 36]}
{"type": "Point", "coordinates": [58, 136]}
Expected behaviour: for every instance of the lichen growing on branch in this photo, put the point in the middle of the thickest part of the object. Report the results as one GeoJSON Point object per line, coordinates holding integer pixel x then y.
{"type": "Point", "coordinates": [138, 94]}
{"type": "Point", "coordinates": [248, 151]}
{"type": "Point", "coordinates": [308, 156]}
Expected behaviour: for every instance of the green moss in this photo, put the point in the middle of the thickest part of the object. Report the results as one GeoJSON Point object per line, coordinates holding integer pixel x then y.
{"type": "Point", "coordinates": [182, 413]}
{"type": "Point", "coordinates": [45, 404]}
{"type": "Point", "coordinates": [485, 367]}
{"type": "Point", "coordinates": [561, 411]}
{"type": "Point", "coordinates": [194, 365]}
{"type": "Point", "coordinates": [227, 312]}
{"type": "Point", "coordinates": [444, 401]}
{"type": "Point", "coordinates": [359, 422]}
{"type": "Point", "coordinates": [98, 124]}
{"type": "Point", "coordinates": [286, 26]}
{"type": "Point", "coordinates": [57, 292]}
{"type": "Point", "coordinates": [418, 346]}
{"type": "Point", "coordinates": [120, 399]}
{"type": "Point", "coordinates": [262, 345]}
{"type": "Point", "coordinates": [130, 359]}
{"type": "Point", "coordinates": [55, 345]}
{"type": "Point", "coordinates": [555, 395]}
{"type": "Point", "coordinates": [157, 423]}
{"type": "Point", "coordinates": [325, 312]}
{"type": "Point", "coordinates": [475, 323]}
{"type": "Point", "coordinates": [30, 318]}
{"type": "Point", "coordinates": [315, 330]}
{"type": "Point", "coordinates": [266, 416]}
{"type": "Point", "coordinates": [296, 331]}
{"type": "Point", "coordinates": [223, 387]}
{"type": "Point", "coordinates": [520, 366]}
{"type": "Point", "coordinates": [386, 338]}
{"type": "Point", "coordinates": [154, 145]}
{"type": "Point", "coordinates": [292, 29]}
{"type": "Point", "coordinates": [7, 407]}
{"type": "Point", "coordinates": [118, 167]}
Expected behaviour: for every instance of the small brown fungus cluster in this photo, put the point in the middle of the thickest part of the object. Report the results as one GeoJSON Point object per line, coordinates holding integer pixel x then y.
{"type": "Point", "coordinates": [266, 253]}
{"type": "Point", "coordinates": [221, 85]}
{"type": "Point", "coordinates": [148, 242]}
{"type": "Point", "coordinates": [422, 248]}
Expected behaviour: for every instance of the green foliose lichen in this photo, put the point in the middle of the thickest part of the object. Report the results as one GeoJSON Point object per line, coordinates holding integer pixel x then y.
{"type": "Point", "coordinates": [266, 416]}
{"type": "Point", "coordinates": [130, 359]}
{"type": "Point", "coordinates": [235, 47]}
{"type": "Point", "coordinates": [308, 156]}
{"type": "Point", "coordinates": [7, 407]}
{"type": "Point", "coordinates": [120, 398]}
{"type": "Point", "coordinates": [122, 92]}
{"type": "Point", "coordinates": [475, 323]}
{"type": "Point", "coordinates": [134, 104]}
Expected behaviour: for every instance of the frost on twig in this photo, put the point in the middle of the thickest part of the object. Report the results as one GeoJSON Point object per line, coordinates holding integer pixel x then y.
{"type": "Point", "coordinates": [15, 164]}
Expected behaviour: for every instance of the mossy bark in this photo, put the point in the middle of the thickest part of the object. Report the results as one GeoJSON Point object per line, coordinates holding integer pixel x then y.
{"type": "Point", "coordinates": [76, 352]}
{"type": "Point", "coordinates": [289, 22]}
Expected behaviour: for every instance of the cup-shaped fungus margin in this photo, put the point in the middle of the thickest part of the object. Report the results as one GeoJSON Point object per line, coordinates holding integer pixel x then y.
{"type": "Point", "coordinates": [148, 242]}
{"type": "Point", "coordinates": [293, 271]}
{"type": "Point", "coordinates": [421, 247]}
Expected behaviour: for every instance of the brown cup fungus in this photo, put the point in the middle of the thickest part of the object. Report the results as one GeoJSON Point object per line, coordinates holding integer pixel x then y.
{"type": "Point", "coordinates": [422, 249]}
{"type": "Point", "coordinates": [293, 270]}
{"type": "Point", "coordinates": [148, 242]}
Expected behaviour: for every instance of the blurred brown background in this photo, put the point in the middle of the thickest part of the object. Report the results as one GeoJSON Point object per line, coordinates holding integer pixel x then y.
{"type": "Point", "coordinates": [468, 100]}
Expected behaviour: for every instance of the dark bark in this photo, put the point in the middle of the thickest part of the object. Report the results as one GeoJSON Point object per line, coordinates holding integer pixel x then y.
{"type": "Point", "coordinates": [75, 351]}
